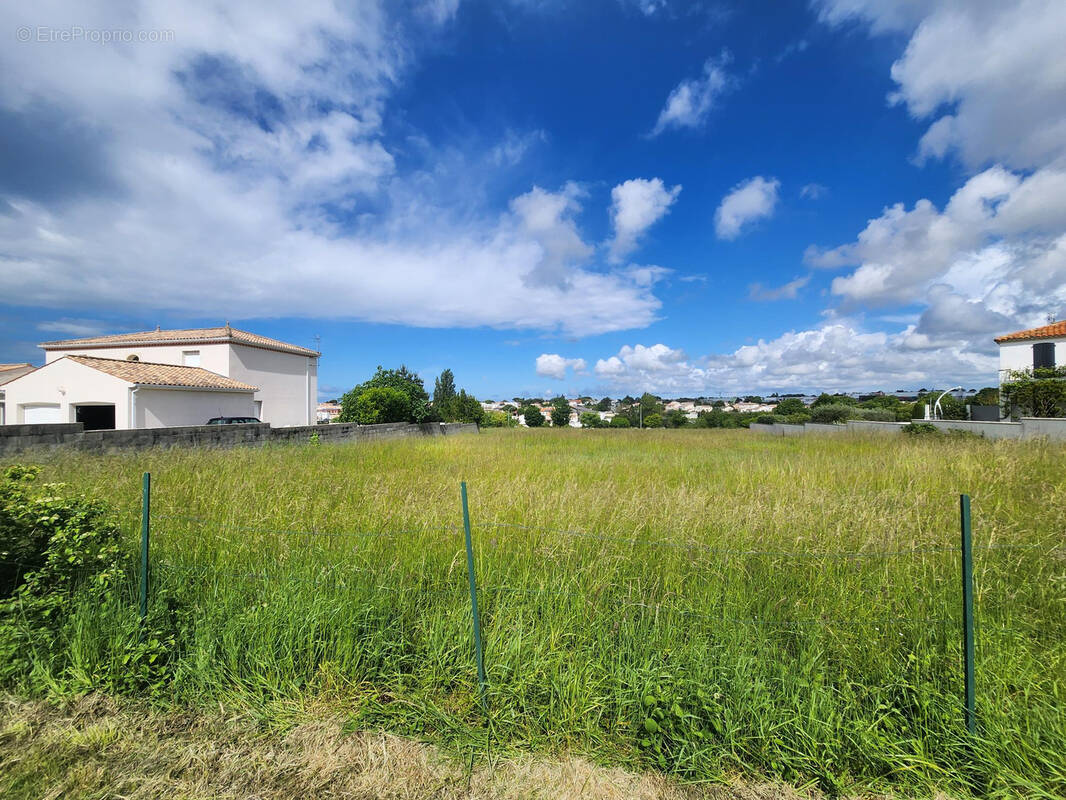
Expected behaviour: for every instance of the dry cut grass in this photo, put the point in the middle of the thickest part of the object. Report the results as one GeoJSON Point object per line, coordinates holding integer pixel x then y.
{"type": "Point", "coordinates": [96, 747]}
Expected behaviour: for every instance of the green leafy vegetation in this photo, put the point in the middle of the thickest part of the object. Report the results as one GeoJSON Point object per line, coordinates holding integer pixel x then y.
{"type": "Point", "coordinates": [1037, 392]}
{"type": "Point", "coordinates": [383, 402]}
{"type": "Point", "coordinates": [710, 604]}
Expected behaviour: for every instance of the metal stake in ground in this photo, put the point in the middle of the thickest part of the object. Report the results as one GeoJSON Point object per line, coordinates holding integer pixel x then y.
{"type": "Point", "coordinates": [146, 515]}
{"type": "Point", "coordinates": [967, 611]}
{"type": "Point", "coordinates": [482, 683]}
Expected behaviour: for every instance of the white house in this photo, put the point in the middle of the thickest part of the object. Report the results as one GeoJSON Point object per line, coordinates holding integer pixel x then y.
{"type": "Point", "coordinates": [108, 393]}
{"type": "Point", "coordinates": [164, 378]}
{"type": "Point", "coordinates": [8, 373]}
{"type": "Point", "coordinates": [1035, 347]}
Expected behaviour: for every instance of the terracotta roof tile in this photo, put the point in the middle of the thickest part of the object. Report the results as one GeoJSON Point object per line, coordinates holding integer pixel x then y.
{"type": "Point", "coordinates": [147, 373]}
{"type": "Point", "coordinates": [220, 335]}
{"type": "Point", "coordinates": [1052, 331]}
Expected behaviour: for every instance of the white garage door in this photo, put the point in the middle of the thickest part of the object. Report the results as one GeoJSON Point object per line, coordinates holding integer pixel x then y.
{"type": "Point", "coordinates": [39, 415]}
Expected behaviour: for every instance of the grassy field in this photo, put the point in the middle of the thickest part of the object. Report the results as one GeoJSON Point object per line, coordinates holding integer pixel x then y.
{"type": "Point", "coordinates": [710, 604]}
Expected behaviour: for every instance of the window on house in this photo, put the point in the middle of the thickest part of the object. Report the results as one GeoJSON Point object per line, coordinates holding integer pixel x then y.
{"type": "Point", "coordinates": [190, 358]}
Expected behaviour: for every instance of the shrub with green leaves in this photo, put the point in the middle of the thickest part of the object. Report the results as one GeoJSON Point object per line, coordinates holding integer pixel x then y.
{"type": "Point", "coordinates": [381, 404]}
{"type": "Point", "coordinates": [1035, 392]}
{"type": "Point", "coordinates": [875, 414]}
{"type": "Point", "coordinates": [831, 413]}
{"type": "Point", "coordinates": [921, 429]}
{"type": "Point", "coordinates": [54, 544]}
{"type": "Point", "coordinates": [62, 553]}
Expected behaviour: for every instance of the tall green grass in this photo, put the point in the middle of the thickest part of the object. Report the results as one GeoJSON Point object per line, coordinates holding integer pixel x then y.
{"type": "Point", "coordinates": [703, 602]}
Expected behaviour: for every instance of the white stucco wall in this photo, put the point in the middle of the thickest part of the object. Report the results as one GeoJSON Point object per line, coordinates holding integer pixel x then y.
{"type": "Point", "coordinates": [288, 383]}
{"type": "Point", "coordinates": [213, 357]}
{"type": "Point", "coordinates": [66, 384]}
{"type": "Point", "coordinates": [1019, 355]}
{"type": "Point", "coordinates": [165, 408]}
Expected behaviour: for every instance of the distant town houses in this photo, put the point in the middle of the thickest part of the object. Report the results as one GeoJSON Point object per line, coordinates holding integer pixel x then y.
{"type": "Point", "coordinates": [328, 411]}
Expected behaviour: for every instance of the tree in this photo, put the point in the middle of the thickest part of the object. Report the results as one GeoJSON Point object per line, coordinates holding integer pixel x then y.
{"type": "Point", "coordinates": [381, 404]}
{"type": "Point", "coordinates": [619, 422]}
{"type": "Point", "coordinates": [886, 401]}
{"type": "Point", "coordinates": [403, 380]}
{"type": "Point", "coordinates": [989, 396]}
{"type": "Point", "coordinates": [790, 405]}
{"type": "Point", "coordinates": [675, 419]}
{"type": "Point", "coordinates": [653, 421]}
{"type": "Point", "coordinates": [604, 404]}
{"type": "Point", "coordinates": [466, 408]}
{"type": "Point", "coordinates": [444, 394]}
{"type": "Point", "coordinates": [650, 404]}
{"type": "Point", "coordinates": [833, 400]}
{"type": "Point", "coordinates": [560, 412]}
{"type": "Point", "coordinates": [497, 419]}
{"type": "Point", "coordinates": [532, 416]}
{"type": "Point", "coordinates": [590, 419]}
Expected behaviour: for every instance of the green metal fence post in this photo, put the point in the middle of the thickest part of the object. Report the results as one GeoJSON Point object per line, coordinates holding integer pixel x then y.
{"type": "Point", "coordinates": [473, 601]}
{"type": "Point", "coordinates": [967, 611]}
{"type": "Point", "coordinates": [146, 516]}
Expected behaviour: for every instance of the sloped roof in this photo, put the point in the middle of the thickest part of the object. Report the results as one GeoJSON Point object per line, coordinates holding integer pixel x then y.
{"type": "Point", "coordinates": [220, 335]}
{"type": "Point", "coordinates": [145, 373]}
{"type": "Point", "coordinates": [9, 372]}
{"type": "Point", "coordinates": [1052, 331]}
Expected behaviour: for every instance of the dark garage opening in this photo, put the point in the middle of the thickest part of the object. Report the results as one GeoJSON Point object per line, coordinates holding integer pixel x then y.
{"type": "Point", "coordinates": [96, 418]}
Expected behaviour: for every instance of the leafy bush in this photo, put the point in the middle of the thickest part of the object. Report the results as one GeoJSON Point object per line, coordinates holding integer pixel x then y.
{"type": "Point", "coordinates": [401, 380]}
{"type": "Point", "coordinates": [888, 401]}
{"type": "Point", "coordinates": [381, 404]}
{"type": "Point", "coordinates": [1036, 392]}
{"type": "Point", "coordinates": [532, 416]}
{"type": "Point", "coordinates": [590, 419]}
{"type": "Point", "coordinates": [875, 414]}
{"type": "Point", "coordinates": [833, 400]}
{"type": "Point", "coordinates": [921, 429]}
{"type": "Point", "coordinates": [798, 419]}
{"type": "Point", "coordinates": [68, 558]}
{"type": "Point", "coordinates": [790, 406]}
{"type": "Point", "coordinates": [765, 419]}
{"type": "Point", "coordinates": [653, 421]}
{"type": "Point", "coordinates": [676, 719]}
{"type": "Point", "coordinates": [619, 422]}
{"type": "Point", "coordinates": [498, 419]}
{"type": "Point", "coordinates": [831, 413]}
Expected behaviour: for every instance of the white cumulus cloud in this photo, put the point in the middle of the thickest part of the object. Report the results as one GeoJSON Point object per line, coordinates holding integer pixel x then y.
{"type": "Point", "coordinates": [241, 169]}
{"type": "Point", "coordinates": [636, 205]}
{"type": "Point", "coordinates": [990, 76]}
{"type": "Point", "coordinates": [553, 365]}
{"type": "Point", "coordinates": [997, 246]}
{"type": "Point", "coordinates": [749, 201]}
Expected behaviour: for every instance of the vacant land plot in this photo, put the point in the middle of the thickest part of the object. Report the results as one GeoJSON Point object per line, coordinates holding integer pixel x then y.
{"type": "Point", "coordinates": [705, 603]}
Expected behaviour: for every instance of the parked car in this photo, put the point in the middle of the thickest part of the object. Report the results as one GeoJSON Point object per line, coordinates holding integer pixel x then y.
{"type": "Point", "coordinates": [232, 420]}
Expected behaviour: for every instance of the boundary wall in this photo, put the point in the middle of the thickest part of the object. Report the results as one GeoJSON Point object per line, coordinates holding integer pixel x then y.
{"type": "Point", "coordinates": [20, 438]}
{"type": "Point", "coordinates": [1026, 428]}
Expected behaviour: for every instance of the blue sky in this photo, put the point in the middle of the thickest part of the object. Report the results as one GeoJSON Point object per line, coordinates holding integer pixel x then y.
{"type": "Point", "coordinates": [598, 197]}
